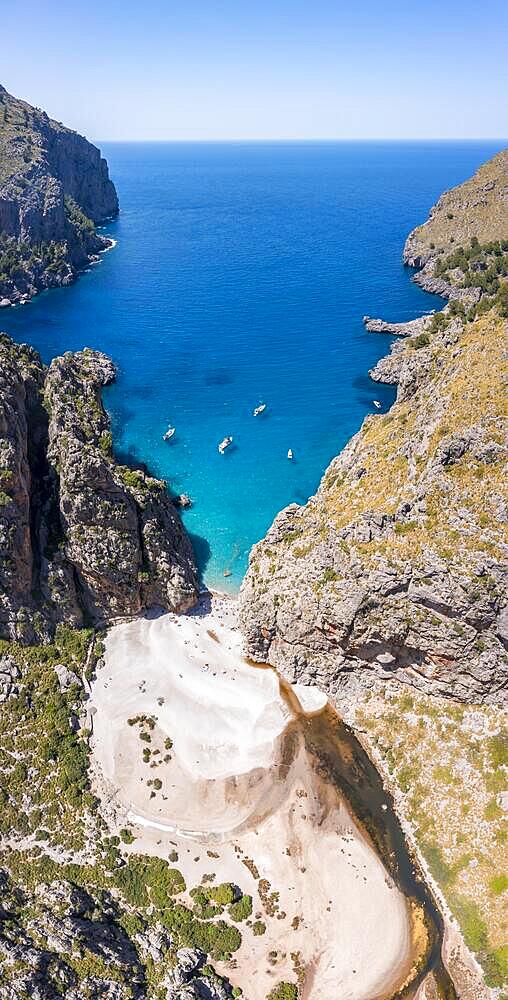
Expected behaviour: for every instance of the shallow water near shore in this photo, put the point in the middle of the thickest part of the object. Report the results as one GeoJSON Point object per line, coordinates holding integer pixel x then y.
{"type": "Point", "coordinates": [240, 275]}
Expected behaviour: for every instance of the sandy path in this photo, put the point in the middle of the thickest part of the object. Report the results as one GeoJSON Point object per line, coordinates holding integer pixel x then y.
{"type": "Point", "coordinates": [230, 793]}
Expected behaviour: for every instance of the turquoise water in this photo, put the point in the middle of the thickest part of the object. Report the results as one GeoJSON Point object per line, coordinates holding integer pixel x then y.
{"type": "Point", "coordinates": [241, 274]}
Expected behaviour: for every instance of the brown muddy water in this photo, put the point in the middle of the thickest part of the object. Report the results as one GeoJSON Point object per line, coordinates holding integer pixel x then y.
{"type": "Point", "coordinates": [345, 769]}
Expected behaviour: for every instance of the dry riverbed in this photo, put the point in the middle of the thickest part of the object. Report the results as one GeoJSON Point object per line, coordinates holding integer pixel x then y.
{"type": "Point", "coordinates": [199, 755]}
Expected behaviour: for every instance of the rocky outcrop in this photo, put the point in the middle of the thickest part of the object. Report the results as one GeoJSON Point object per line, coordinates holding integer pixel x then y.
{"type": "Point", "coordinates": [435, 285]}
{"type": "Point", "coordinates": [410, 329]}
{"type": "Point", "coordinates": [58, 940]}
{"type": "Point", "coordinates": [82, 539]}
{"type": "Point", "coordinates": [54, 188]}
{"type": "Point", "coordinates": [398, 566]}
{"type": "Point", "coordinates": [476, 209]}
{"type": "Point", "coordinates": [39, 956]}
{"type": "Point", "coordinates": [187, 981]}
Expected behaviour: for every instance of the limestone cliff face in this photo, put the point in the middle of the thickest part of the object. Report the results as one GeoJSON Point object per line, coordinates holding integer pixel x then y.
{"type": "Point", "coordinates": [82, 539]}
{"type": "Point", "coordinates": [398, 566]}
{"type": "Point", "coordinates": [54, 188]}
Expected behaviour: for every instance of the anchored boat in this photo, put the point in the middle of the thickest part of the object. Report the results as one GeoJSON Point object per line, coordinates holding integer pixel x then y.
{"type": "Point", "coordinates": [169, 434]}
{"type": "Point", "coordinates": [259, 409]}
{"type": "Point", "coordinates": [225, 443]}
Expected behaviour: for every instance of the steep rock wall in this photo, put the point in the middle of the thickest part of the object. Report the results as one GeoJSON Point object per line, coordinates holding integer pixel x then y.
{"type": "Point", "coordinates": [398, 566]}
{"type": "Point", "coordinates": [82, 538]}
{"type": "Point", "coordinates": [54, 186]}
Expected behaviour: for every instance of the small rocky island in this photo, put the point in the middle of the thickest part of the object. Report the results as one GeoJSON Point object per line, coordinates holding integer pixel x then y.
{"type": "Point", "coordinates": [54, 190]}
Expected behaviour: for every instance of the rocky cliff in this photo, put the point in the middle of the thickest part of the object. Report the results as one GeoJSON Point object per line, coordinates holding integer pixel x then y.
{"type": "Point", "coordinates": [75, 945]}
{"type": "Point", "coordinates": [83, 540]}
{"type": "Point", "coordinates": [54, 188]}
{"type": "Point", "coordinates": [474, 212]}
{"type": "Point", "coordinates": [397, 567]}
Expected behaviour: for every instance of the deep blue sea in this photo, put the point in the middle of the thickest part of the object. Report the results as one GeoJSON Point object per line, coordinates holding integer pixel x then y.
{"type": "Point", "coordinates": [241, 275]}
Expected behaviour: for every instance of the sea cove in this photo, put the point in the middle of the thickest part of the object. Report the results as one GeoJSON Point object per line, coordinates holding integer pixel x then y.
{"type": "Point", "coordinates": [295, 790]}
{"type": "Point", "coordinates": [241, 274]}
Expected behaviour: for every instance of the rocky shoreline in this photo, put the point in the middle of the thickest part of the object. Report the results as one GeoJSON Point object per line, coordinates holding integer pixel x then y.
{"type": "Point", "coordinates": [30, 281]}
{"type": "Point", "coordinates": [394, 577]}
{"type": "Point", "coordinates": [54, 190]}
{"type": "Point", "coordinates": [84, 539]}
{"type": "Point", "coordinates": [390, 568]}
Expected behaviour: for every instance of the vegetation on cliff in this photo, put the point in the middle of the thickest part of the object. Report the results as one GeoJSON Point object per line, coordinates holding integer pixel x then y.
{"type": "Point", "coordinates": [79, 915]}
{"type": "Point", "coordinates": [82, 539]}
{"type": "Point", "coordinates": [398, 564]}
{"type": "Point", "coordinates": [447, 764]}
{"type": "Point", "coordinates": [54, 188]}
{"type": "Point", "coordinates": [477, 209]}
{"type": "Point", "coordinates": [396, 574]}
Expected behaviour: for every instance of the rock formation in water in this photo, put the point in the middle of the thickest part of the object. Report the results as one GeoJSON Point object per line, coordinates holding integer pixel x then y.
{"type": "Point", "coordinates": [54, 189]}
{"type": "Point", "coordinates": [398, 564]}
{"type": "Point", "coordinates": [83, 539]}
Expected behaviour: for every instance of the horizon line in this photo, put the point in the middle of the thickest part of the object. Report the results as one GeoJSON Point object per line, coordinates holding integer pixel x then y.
{"type": "Point", "coordinates": [329, 139]}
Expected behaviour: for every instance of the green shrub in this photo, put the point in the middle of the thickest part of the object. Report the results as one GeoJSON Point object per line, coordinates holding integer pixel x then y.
{"type": "Point", "coordinates": [498, 884]}
{"type": "Point", "coordinates": [105, 443]}
{"type": "Point", "coordinates": [438, 322]}
{"type": "Point", "coordinates": [498, 750]}
{"type": "Point", "coordinates": [77, 217]}
{"type": "Point", "coordinates": [218, 940]}
{"type": "Point", "coordinates": [502, 300]}
{"type": "Point", "coordinates": [422, 340]}
{"type": "Point", "coordinates": [222, 894]}
{"type": "Point", "coordinates": [440, 870]}
{"type": "Point", "coordinates": [242, 909]}
{"type": "Point", "coordinates": [284, 991]}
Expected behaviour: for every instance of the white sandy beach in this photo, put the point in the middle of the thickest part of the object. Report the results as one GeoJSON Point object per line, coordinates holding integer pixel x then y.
{"type": "Point", "coordinates": [231, 792]}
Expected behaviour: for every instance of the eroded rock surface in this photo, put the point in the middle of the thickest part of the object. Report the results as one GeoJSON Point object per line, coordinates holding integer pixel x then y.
{"type": "Point", "coordinates": [83, 539]}
{"type": "Point", "coordinates": [476, 209]}
{"type": "Point", "coordinates": [54, 189]}
{"type": "Point", "coordinates": [398, 566]}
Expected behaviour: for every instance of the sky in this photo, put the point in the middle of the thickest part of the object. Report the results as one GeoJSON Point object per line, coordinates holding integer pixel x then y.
{"type": "Point", "coordinates": [262, 69]}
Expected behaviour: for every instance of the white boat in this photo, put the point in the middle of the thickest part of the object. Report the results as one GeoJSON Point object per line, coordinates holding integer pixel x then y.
{"type": "Point", "coordinates": [259, 409]}
{"type": "Point", "coordinates": [290, 453]}
{"type": "Point", "coordinates": [169, 434]}
{"type": "Point", "coordinates": [225, 443]}
{"type": "Point", "coordinates": [377, 404]}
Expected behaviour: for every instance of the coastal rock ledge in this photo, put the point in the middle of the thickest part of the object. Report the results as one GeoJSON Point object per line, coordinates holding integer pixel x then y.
{"type": "Point", "coordinates": [83, 539]}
